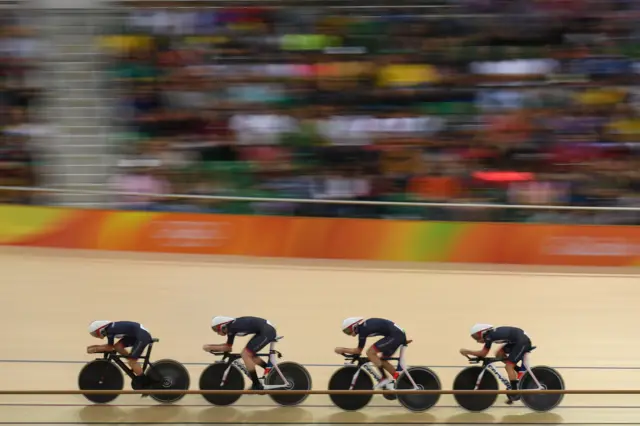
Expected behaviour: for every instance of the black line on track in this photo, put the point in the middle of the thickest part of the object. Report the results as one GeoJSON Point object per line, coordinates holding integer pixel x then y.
{"type": "Point", "coordinates": [244, 406]}
{"type": "Point", "coordinates": [323, 423]}
{"type": "Point", "coordinates": [53, 361]}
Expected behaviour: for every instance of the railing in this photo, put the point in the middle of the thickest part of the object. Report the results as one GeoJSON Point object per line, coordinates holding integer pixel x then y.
{"type": "Point", "coordinates": [361, 208]}
{"type": "Point", "coordinates": [317, 200]}
{"type": "Point", "coordinates": [331, 392]}
{"type": "Point", "coordinates": [371, 4]}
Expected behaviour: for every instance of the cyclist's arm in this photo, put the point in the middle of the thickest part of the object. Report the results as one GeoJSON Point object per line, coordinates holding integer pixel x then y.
{"type": "Point", "coordinates": [353, 351]}
{"type": "Point", "coordinates": [480, 354]}
{"type": "Point", "coordinates": [348, 351]}
{"type": "Point", "coordinates": [217, 348]}
{"type": "Point", "coordinates": [94, 349]}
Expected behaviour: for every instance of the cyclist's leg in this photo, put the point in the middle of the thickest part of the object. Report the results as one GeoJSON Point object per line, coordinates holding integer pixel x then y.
{"type": "Point", "coordinates": [387, 346]}
{"type": "Point", "coordinates": [270, 333]}
{"type": "Point", "coordinates": [136, 352]}
{"type": "Point", "coordinates": [121, 345]}
{"type": "Point", "coordinates": [516, 355]}
{"type": "Point", "coordinates": [254, 345]}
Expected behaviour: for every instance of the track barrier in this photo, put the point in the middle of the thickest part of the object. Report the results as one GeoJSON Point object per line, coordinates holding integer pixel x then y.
{"type": "Point", "coordinates": [328, 392]}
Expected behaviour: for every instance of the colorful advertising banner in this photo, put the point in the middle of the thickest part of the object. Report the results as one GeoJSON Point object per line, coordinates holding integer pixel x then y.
{"type": "Point", "coordinates": [323, 238]}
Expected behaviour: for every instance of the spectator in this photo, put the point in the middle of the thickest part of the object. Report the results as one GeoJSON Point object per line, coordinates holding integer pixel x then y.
{"type": "Point", "coordinates": [18, 54]}
{"type": "Point", "coordinates": [143, 181]}
{"type": "Point", "coordinates": [304, 103]}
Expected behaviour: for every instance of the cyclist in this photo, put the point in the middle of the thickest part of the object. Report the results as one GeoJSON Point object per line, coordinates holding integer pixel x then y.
{"type": "Point", "coordinates": [516, 345]}
{"type": "Point", "coordinates": [392, 338]}
{"type": "Point", "coordinates": [263, 333]}
{"type": "Point", "coordinates": [131, 335]}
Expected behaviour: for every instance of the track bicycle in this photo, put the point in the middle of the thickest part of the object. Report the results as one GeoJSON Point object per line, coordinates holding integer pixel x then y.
{"type": "Point", "coordinates": [487, 376]}
{"type": "Point", "coordinates": [229, 372]}
{"type": "Point", "coordinates": [364, 374]}
{"type": "Point", "coordinates": [106, 374]}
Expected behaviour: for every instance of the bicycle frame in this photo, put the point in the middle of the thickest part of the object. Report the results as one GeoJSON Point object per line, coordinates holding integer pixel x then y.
{"type": "Point", "coordinates": [273, 356]}
{"type": "Point", "coordinates": [365, 364]}
{"type": "Point", "coordinates": [115, 357]}
{"type": "Point", "coordinates": [490, 367]}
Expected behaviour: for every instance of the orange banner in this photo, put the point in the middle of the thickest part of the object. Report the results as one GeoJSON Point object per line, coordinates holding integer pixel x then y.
{"type": "Point", "coordinates": [299, 237]}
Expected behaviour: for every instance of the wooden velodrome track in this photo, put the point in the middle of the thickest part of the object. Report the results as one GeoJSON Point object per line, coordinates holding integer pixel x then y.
{"type": "Point", "coordinates": [586, 325]}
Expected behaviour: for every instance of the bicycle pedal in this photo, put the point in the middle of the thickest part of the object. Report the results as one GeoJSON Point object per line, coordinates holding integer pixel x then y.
{"type": "Point", "coordinates": [257, 388]}
{"type": "Point", "coordinates": [510, 401]}
{"type": "Point", "coordinates": [383, 384]}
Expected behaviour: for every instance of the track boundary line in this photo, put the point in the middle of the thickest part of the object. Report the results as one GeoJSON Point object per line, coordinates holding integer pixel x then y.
{"type": "Point", "coordinates": [319, 423]}
{"type": "Point", "coordinates": [55, 361]}
{"type": "Point", "coordinates": [318, 264]}
{"type": "Point", "coordinates": [310, 406]}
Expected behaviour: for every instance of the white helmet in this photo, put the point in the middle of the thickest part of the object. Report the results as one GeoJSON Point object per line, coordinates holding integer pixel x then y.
{"type": "Point", "coordinates": [218, 322]}
{"type": "Point", "coordinates": [97, 327]}
{"type": "Point", "coordinates": [480, 328]}
{"type": "Point", "coordinates": [349, 324]}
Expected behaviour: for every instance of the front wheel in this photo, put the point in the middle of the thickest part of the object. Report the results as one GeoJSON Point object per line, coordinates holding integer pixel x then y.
{"type": "Point", "coordinates": [212, 379]}
{"type": "Point", "coordinates": [168, 374]}
{"type": "Point", "coordinates": [341, 380]}
{"type": "Point", "coordinates": [298, 378]}
{"type": "Point", "coordinates": [466, 380]}
{"type": "Point", "coordinates": [425, 379]}
{"type": "Point", "coordinates": [100, 374]}
{"type": "Point", "coordinates": [549, 379]}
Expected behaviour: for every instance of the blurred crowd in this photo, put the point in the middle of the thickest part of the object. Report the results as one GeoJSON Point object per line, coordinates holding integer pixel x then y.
{"type": "Point", "coordinates": [528, 102]}
{"type": "Point", "coordinates": [18, 95]}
